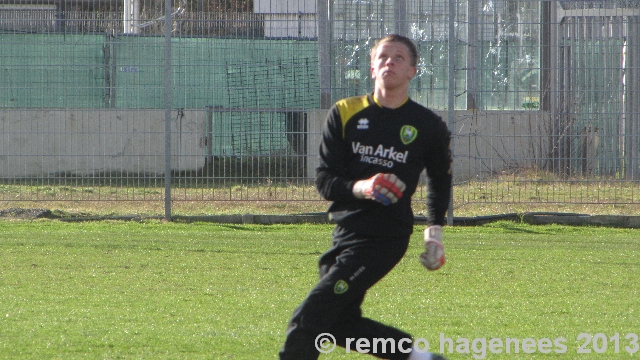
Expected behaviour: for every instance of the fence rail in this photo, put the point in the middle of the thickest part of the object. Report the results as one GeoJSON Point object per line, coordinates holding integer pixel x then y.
{"type": "Point", "coordinates": [48, 19]}
{"type": "Point", "coordinates": [541, 96]}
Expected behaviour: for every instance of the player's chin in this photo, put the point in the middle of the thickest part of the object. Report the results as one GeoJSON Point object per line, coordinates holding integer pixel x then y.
{"type": "Point", "coordinates": [392, 82]}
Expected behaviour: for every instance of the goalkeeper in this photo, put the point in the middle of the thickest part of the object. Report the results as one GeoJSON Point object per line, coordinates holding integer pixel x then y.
{"type": "Point", "coordinates": [373, 150]}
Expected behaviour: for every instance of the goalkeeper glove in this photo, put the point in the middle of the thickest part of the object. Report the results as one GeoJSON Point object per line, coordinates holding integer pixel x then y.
{"type": "Point", "coordinates": [433, 257]}
{"type": "Point", "coordinates": [383, 188]}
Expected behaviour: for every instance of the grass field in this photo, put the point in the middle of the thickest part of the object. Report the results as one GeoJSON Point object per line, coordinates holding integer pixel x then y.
{"type": "Point", "coordinates": [156, 290]}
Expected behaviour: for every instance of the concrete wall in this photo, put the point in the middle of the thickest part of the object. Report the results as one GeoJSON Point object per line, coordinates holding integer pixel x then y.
{"type": "Point", "coordinates": [86, 142]}
{"type": "Point", "coordinates": [491, 143]}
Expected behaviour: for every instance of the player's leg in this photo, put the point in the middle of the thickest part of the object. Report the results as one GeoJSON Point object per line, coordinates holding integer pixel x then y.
{"type": "Point", "coordinates": [300, 335]}
{"type": "Point", "coordinates": [377, 258]}
{"type": "Point", "coordinates": [353, 326]}
{"type": "Point", "coordinates": [358, 263]}
{"type": "Point", "coordinates": [351, 323]}
{"type": "Point", "coordinates": [383, 339]}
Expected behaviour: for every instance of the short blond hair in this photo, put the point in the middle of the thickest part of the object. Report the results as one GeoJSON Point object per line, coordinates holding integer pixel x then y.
{"type": "Point", "coordinates": [413, 52]}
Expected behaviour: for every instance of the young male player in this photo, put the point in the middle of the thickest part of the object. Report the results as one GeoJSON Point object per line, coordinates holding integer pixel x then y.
{"type": "Point", "coordinates": [373, 150]}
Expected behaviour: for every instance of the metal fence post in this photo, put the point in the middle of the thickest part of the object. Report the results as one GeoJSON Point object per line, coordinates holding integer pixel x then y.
{"type": "Point", "coordinates": [324, 53]}
{"type": "Point", "coordinates": [167, 110]}
{"type": "Point", "coordinates": [451, 93]}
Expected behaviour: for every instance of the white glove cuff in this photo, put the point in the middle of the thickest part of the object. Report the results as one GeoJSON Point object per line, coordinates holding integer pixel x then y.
{"type": "Point", "coordinates": [358, 189]}
{"type": "Point", "coordinates": [433, 232]}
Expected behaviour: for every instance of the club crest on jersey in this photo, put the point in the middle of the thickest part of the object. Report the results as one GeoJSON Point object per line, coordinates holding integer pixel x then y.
{"type": "Point", "coordinates": [407, 134]}
{"type": "Point", "coordinates": [340, 287]}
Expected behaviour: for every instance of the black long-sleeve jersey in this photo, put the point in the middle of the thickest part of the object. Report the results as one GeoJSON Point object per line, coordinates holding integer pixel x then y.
{"type": "Point", "coordinates": [361, 138]}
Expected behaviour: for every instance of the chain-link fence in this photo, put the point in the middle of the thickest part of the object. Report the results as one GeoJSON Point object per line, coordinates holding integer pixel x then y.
{"type": "Point", "coordinates": [102, 101]}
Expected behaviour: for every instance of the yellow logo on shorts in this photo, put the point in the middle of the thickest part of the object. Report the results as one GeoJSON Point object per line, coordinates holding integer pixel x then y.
{"type": "Point", "coordinates": [341, 287]}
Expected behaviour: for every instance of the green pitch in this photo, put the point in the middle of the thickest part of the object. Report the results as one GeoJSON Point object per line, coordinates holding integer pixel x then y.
{"type": "Point", "coordinates": [127, 290]}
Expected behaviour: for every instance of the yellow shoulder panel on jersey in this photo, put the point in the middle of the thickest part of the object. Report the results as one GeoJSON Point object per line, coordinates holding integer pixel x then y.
{"type": "Point", "coordinates": [349, 107]}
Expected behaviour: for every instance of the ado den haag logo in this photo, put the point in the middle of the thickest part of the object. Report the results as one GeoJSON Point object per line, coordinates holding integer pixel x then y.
{"type": "Point", "coordinates": [341, 287]}
{"type": "Point", "coordinates": [407, 134]}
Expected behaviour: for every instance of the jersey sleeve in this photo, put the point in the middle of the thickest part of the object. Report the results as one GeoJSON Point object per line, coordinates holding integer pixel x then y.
{"type": "Point", "coordinates": [439, 162]}
{"type": "Point", "coordinates": [332, 179]}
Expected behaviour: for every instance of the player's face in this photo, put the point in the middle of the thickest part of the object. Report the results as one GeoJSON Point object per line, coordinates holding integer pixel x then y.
{"type": "Point", "coordinates": [391, 65]}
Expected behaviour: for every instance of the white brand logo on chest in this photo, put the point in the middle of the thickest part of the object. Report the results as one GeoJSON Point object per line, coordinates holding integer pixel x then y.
{"type": "Point", "coordinates": [363, 124]}
{"type": "Point", "coordinates": [380, 151]}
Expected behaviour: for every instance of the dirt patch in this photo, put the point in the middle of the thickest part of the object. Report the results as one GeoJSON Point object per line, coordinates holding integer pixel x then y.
{"type": "Point", "coordinates": [22, 213]}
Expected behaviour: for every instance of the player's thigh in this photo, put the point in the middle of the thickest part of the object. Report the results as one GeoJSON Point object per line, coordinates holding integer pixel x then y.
{"type": "Point", "coordinates": [363, 265]}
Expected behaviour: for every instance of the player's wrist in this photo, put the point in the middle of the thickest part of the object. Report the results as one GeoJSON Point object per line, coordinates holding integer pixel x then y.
{"type": "Point", "coordinates": [433, 232]}
{"type": "Point", "coordinates": [433, 257]}
{"type": "Point", "coordinates": [358, 189]}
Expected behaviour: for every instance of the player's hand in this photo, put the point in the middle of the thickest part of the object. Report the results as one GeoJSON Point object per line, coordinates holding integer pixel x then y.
{"type": "Point", "coordinates": [383, 188]}
{"type": "Point", "coordinates": [433, 257]}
